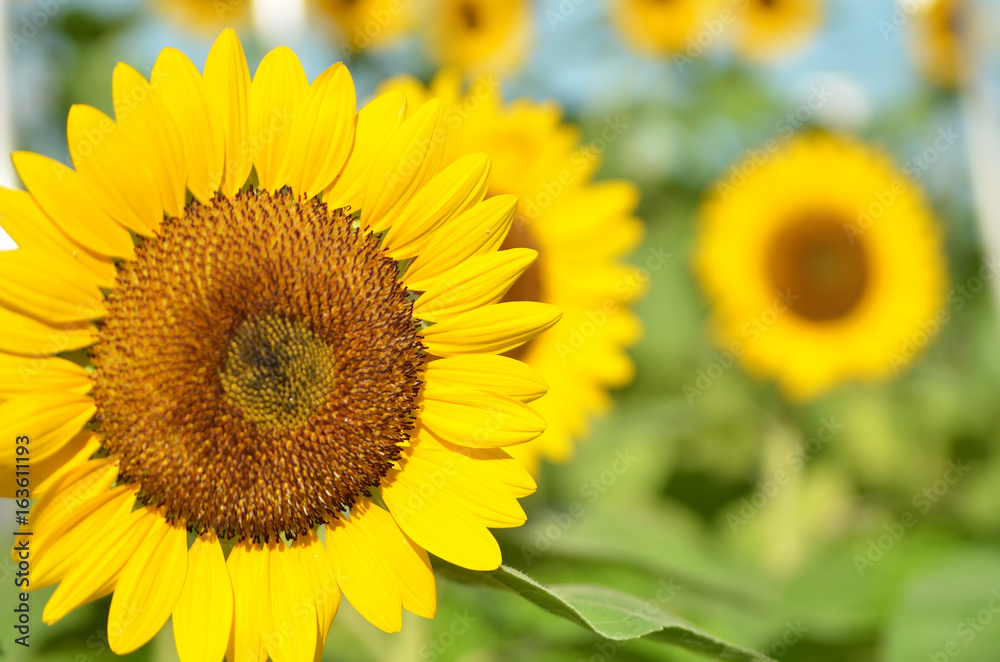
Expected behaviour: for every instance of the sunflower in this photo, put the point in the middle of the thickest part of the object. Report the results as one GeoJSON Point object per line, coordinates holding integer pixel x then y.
{"type": "Point", "coordinates": [580, 228]}
{"type": "Point", "coordinates": [206, 15]}
{"type": "Point", "coordinates": [293, 379]}
{"type": "Point", "coordinates": [767, 29]}
{"type": "Point", "coordinates": [940, 28]}
{"type": "Point", "coordinates": [661, 27]}
{"type": "Point", "coordinates": [823, 263]}
{"type": "Point", "coordinates": [363, 24]}
{"type": "Point", "coordinates": [477, 36]}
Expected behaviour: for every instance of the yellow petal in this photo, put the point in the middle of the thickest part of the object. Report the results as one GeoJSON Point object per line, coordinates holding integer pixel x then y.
{"type": "Point", "coordinates": [449, 193]}
{"type": "Point", "coordinates": [491, 329]}
{"type": "Point", "coordinates": [412, 156]}
{"type": "Point", "coordinates": [227, 81]}
{"type": "Point", "coordinates": [276, 94]}
{"type": "Point", "coordinates": [434, 522]}
{"type": "Point", "coordinates": [55, 291]}
{"type": "Point", "coordinates": [479, 281]}
{"type": "Point", "coordinates": [248, 572]}
{"type": "Point", "coordinates": [291, 626]}
{"type": "Point", "coordinates": [478, 419]}
{"type": "Point", "coordinates": [203, 615]}
{"type": "Point", "coordinates": [148, 588]}
{"type": "Point", "coordinates": [29, 227]}
{"type": "Point", "coordinates": [48, 418]}
{"type": "Point", "coordinates": [486, 465]}
{"type": "Point", "coordinates": [23, 334]}
{"type": "Point", "coordinates": [145, 118]}
{"type": "Point", "coordinates": [89, 566]}
{"type": "Point", "coordinates": [380, 567]}
{"type": "Point", "coordinates": [105, 158]}
{"type": "Point", "coordinates": [71, 497]}
{"type": "Point", "coordinates": [322, 134]}
{"type": "Point", "coordinates": [479, 230]}
{"type": "Point", "coordinates": [61, 193]}
{"type": "Point", "coordinates": [323, 583]}
{"type": "Point", "coordinates": [487, 372]}
{"type": "Point", "coordinates": [182, 89]}
{"type": "Point", "coordinates": [374, 126]}
{"type": "Point", "coordinates": [19, 374]}
{"type": "Point", "coordinates": [47, 474]}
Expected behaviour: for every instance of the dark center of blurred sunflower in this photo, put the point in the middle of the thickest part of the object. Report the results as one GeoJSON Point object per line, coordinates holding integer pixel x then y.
{"type": "Point", "coordinates": [258, 366]}
{"type": "Point", "coordinates": [822, 267]}
{"type": "Point", "coordinates": [529, 287]}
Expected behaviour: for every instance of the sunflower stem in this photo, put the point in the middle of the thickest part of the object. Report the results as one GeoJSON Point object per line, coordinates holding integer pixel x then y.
{"type": "Point", "coordinates": [981, 116]}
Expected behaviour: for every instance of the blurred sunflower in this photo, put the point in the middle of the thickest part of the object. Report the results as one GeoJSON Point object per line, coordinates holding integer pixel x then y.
{"type": "Point", "coordinates": [364, 24]}
{"type": "Point", "coordinates": [822, 264]}
{"type": "Point", "coordinates": [205, 15]}
{"type": "Point", "coordinates": [581, 230]}
{"type": "Point", "coordinates": [940, 28]}
{"type": "Point", "coordinates": [479, 36]}
{"type": "Point", "coordinates": [767, 29]}
{"type": "Point", "coordinates": [266, 371]}
{"type": "Point", "coordinates": [661, 27]}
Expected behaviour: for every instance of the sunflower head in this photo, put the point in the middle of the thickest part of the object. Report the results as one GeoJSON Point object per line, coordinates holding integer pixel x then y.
{"type": "Point", "coordinates": [661, 26]}
{"type": "Point", "coordinates": [822, 264]}
{"type": "Point", "coordinates": [768, 29]}
{"type": "Point", "coordinates": [477, 36]}
{"type": "Point", "coordinates": [939, 44]}
{"type": "Point", "coordinates": [289, 321]}
{"type": "Point", "coordinates": [364, 24]}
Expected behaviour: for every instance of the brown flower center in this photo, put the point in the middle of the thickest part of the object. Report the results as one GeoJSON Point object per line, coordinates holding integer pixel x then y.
{"type": "Point", "coordinates": [823, 268]}
{"type": "Point", "coordinates": [258, 366]}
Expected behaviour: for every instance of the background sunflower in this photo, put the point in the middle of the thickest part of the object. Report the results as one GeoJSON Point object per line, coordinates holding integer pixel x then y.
{"type": "Point", "coordinates": [858, 524]}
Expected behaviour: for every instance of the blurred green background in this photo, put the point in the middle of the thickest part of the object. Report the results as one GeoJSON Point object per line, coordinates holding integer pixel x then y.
{"type": "Point", "coordinates": [733, 508]}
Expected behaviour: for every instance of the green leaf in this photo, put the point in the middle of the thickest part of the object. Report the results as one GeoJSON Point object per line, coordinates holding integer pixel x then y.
{"type": "Point", "coordinates": [608, 613]}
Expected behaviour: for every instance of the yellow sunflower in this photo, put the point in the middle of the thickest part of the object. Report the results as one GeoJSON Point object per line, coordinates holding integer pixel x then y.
{"type": "Point", "coordinates": [363, 24]}
{"type": "Point", "coordinates": [823, 263]}
{"type": "Point", "coordinates": [767, 29]}
{"type": "Point", "coordinates": [294, 384]}
{"type": "Point", "coordinates": [581, 230]}
{"type": "Point", "coordinates": [477, 36]}
{"type": "Point", "coordinates": [207, 15]}
{"type": "Point", "coordinates": [662, 27]}
{"type": "Point", "coordinates": [940, 28]}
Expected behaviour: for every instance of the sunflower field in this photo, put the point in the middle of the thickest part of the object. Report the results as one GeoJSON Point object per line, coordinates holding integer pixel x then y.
{"type": "Point", "coordinates": [496, 330]}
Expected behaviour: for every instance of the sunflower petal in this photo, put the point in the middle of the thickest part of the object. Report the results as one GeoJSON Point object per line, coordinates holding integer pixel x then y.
{"type": "Point", "coordinates": [411, 157]}
{"type": "Point", "coordinates": [227, 82]}
{"type": "Point", "coordinates": [479, 281]}
{"type": "Point", "coordinates": [23, 334]}
{"type": "Point", "coordinates": [247, 565]}
{"type": "Point", "coordinates": [203, 614]}
{"type": "Point", "coordinates": [48, 418]}
{"type": "Point", "coordinates": [479, 419]}
{"type": "Point", "coordinates": [182, 89]}
{"type": "Point", "coordinates": [487, 372]}
{"type": "Point", "coordinates": [55, 291]}
{"type": "Point", "coordinates": [30, 228]}
{"type": "Point", "coordinates": [479, 230]}
{"type": "Point", "coordinates": [105, 159]}
{"type": "Point", "coordinates": [449, 193]}
{"type": "Point", "coordinates": [491, 329]}
{"type": "Point", "coordinates": [276, 94]}
{"type": "Point", "coordinates": [145, 118]}
{"type": "Point", "coordinates": [290, 630]}
{"type": "Point", "coordinates": [61, 193]}
{"type": "Point", "coordinates": [322, 134]}
{"type": "Point", "coordinates": [148, 588]}
{"type": "Point", "coordinates": [21, 374]}
{"type": "Point", "coordinates": [323, 583]}
{"type": "Point", "coordinates": [374, 126]}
